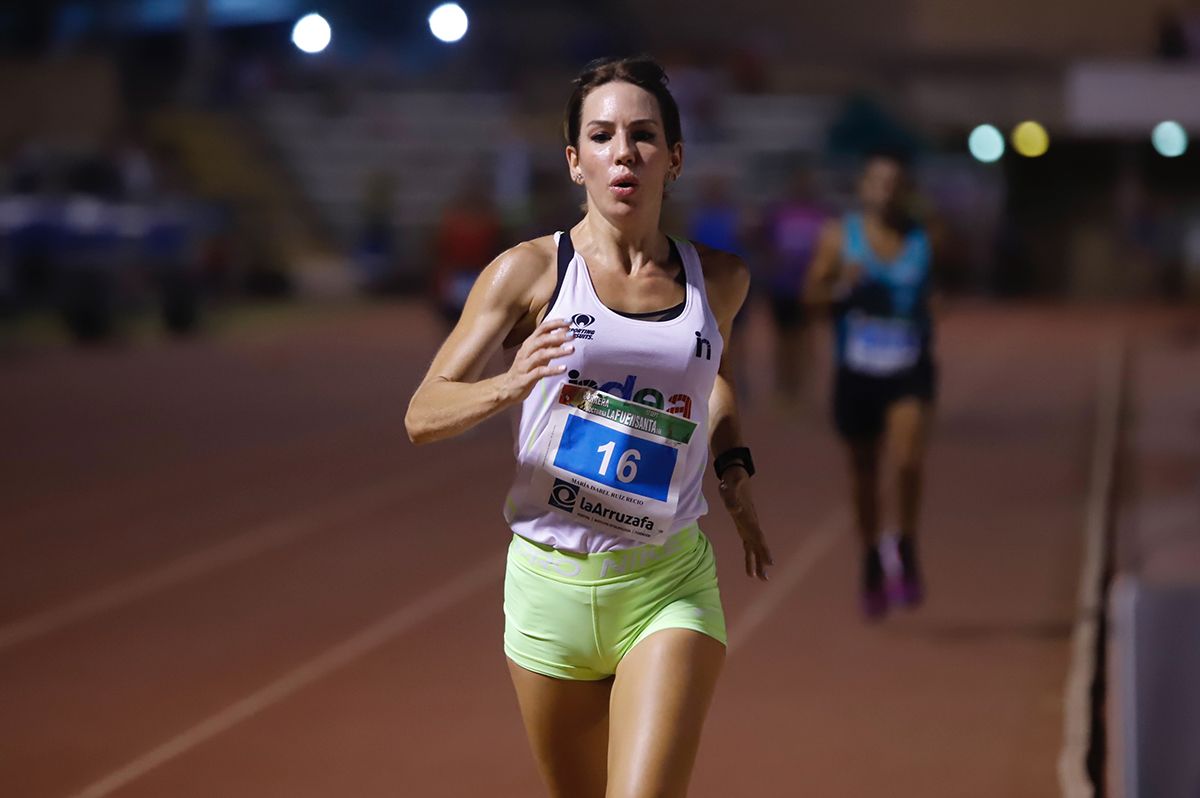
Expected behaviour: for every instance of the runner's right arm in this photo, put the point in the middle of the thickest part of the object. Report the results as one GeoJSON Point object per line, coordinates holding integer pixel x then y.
{"type": "Point", "coordinates": [826, 267]}
{"type": "Point", "coordinates": [453, 398]}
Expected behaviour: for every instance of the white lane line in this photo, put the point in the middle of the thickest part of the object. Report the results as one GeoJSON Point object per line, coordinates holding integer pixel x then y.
{"type": "Point", "coordinates": [785, 578]}
{"type": "Point", "coordinates": [1073, 778]}
{"type": "Point", "coordinates": [261, 539]}
{"type": "Point", "coordinates": [353, 648]}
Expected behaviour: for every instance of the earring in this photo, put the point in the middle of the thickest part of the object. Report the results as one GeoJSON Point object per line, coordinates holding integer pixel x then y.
{"type": "Point", "coordinates": [578, 178]}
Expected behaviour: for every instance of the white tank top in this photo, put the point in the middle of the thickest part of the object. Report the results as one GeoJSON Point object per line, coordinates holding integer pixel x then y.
{"type": "Point", "coordinates": [612, 453]}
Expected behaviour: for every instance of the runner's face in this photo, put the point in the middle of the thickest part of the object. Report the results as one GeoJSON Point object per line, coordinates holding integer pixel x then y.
{"type": "Point", "coordinates": [881, 185]}
{"type": "Point", "coordinates": [622, 154]}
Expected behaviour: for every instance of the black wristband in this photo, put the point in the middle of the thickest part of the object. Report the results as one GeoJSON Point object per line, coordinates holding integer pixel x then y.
{"type": "Point", "coordinates": [738, 455]}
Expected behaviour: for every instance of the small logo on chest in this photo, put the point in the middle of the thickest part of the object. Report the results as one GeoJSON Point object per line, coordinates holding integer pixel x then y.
{"type": "Point", "coordinates": [703, 347]}
{"type": "Point", "coordinates": [581, 327]}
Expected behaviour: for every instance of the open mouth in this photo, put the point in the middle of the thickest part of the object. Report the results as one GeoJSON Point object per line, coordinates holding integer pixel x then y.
{"type": "Point", "coordinates": [624, 186]}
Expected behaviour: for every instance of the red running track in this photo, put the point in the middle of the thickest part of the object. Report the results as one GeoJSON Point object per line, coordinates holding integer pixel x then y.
{"type": "Point", "coordinates": [226, 572]}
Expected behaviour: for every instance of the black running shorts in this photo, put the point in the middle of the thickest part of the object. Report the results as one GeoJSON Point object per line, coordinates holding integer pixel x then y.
{"type": "Point", "coordinates": [861, 402]}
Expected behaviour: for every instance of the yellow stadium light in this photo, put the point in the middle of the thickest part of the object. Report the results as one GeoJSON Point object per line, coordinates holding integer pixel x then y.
{"type": "Point", "coordinates": [1030, 139]}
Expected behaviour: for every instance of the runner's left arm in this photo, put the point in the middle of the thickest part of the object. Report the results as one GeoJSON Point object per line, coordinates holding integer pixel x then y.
{"type": "Point", "coordinates": [729, 282]}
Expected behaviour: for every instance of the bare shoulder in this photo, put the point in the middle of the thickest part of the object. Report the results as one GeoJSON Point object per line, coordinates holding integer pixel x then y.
{"type": "Point", "coordinates": [524, 263]}
{"type": "Point", "coordinates": [521, 280]}
{"type": "Point", "coordinates": [727, 278]}
{"type": "Point", "coordinates": [517, 276]}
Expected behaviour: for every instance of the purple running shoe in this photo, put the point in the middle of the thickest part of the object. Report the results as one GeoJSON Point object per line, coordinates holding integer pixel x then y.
{"type": "Point", "coordinates": [905, 587]}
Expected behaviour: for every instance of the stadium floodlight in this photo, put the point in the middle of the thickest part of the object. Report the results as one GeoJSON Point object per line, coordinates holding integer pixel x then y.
{"type": "Point", "coordinates": [1169, 138]}
{"type": "Point", "coordinates": [986, 144]}
{"type": "Point", "coordinates": [1030, 139]}
{"type": "Point", "coordinates": [311, 33]}
{"type": "Point", "coordinates": [448, 22]}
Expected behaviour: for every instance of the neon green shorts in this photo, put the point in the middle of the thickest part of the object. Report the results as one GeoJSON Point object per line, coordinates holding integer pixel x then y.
{"type": "Point", "coordinates": [574, 616]}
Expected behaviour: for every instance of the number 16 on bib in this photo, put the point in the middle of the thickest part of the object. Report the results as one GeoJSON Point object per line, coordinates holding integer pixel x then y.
{"type": "Point", "coordinates": [615, 464]}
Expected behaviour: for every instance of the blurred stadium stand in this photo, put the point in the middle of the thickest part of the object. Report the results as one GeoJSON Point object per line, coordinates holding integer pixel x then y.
{"type": "Point", "coordinates": [315, 171]}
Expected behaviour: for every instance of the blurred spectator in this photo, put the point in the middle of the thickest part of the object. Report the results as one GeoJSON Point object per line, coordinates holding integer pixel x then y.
{"type": "Point", "coordinates": [514, 176]}
{"type": "Point", "coordinates": [697, 89]}
{"type": "Point", "coordinates": [748, 70]}
{"type": "Point", "coordinates": [376, 252]}
{"type": "Point", "coordinates": [25, 231]}
{"type": "Point", "coordinates": [136, 169]}
{"type": "Point", "coordinates": [865, 125]}
{"type": "Point", "coordinates": [1139, 228]}
{"type": "Point", "coordinates": [551, 204]}
{"type": "Point", "coordinates": [716, 221]}
{"type": "Point", "coordinates": [96, 236]}
{"type": "Point", "coordinates": [29, 171]}
{"type": "Point", "coordinates": [1189, 276]}
{"type": "Point", "coordinates": [791, 231]}
{"type": "Point", "coordinates": [218, 259]}
{"type": "Point", "coordinates": [1191, 29]}
{"type": "Point", "coordinates": [1172, 42]}
{"type": "Point", "coordinates": [97, 174]}
{"type": "Point", "coordinates": [468, 236]}
{"type": "Point", "coordinates": [87, 246]}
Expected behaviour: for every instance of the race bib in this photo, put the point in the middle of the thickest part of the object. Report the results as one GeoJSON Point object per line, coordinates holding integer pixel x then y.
{"type": "Point", "coordinates": [613, 464]}
{"type": "Point", "coordinates": [880, 346]}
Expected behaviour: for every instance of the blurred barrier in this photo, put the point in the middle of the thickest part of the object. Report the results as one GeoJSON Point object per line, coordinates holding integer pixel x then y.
{"type": "Point", "coordinates": [94, 259]}
{"type": "Point", "coordinates": [1154, 654]}
{"type": "Point", "coordinates": [1130, 98]}
{"type": "Point", "coordinates": [1156, 638]}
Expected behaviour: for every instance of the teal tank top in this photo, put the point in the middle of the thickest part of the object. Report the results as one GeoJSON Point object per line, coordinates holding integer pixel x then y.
{"type": "Point", "coordinates": [883, 327]}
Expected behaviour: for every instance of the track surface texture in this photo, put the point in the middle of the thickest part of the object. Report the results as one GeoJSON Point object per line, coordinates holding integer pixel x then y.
{"type": "Point", "coordinates": [226, 571]}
